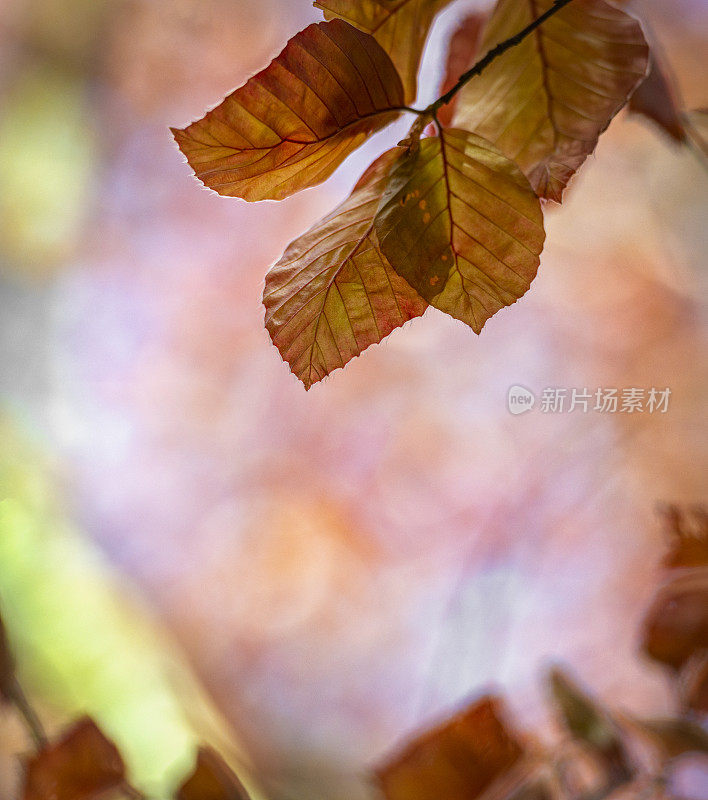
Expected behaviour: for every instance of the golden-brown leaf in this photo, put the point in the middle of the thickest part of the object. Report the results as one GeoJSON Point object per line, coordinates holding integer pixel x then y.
{"type": "Point", "coordinates": [333, 293]}
{"type": "Point", "coordinates": [456, 761]}
{"type": "Point", "coordinates": [291, 125]}
{"type": "Point", "coordinates": [211, 780]}
{"type": "Point", "coordinates": [400, 27]}
{"type": "Point", "coordinates": [545, 102]}
{"type": "Point", "coordinates": [462, 225]}
{"type": "Point", "coordinates": [82, 765]}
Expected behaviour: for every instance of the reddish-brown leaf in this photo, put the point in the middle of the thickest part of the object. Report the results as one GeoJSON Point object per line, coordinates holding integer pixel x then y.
{"type": "Point", "coordinates": [456, 761]}
{"type": "Point", "coordinates": [333, 293]}
{"type": "Point", "coordinates": [212, 779]}
{"type": "Point", "coordinates": [687, 531]}
{"type": "Point", "coordinates": [462, 53]}
{"type": "Point", "coordinates": [676, 625]}
{"type": "Point", "coordinates": [545, 102]}
{"type": "Point", "coordinates": [400, 27]}
{"type": "Point", "coordinates": [290, 126]}
{"type": "Point", "coordinates": [657, 99]}
{"type": "Point", "coordinates": [80, 766]}
{"type": "Point", "coordinates": [462, 225]}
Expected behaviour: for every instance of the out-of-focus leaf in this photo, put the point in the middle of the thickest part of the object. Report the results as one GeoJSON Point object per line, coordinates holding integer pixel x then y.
{"type": "Point", "coordinates": [400, 27]}
{"type": "Point", "coordinates": [694, 682]}
{"type": "Point", "coordinates": [291, 125]}
{"type": "Point", "coordinates": [7, 665]}
{"type": "Point", "coordinates": [676, 625]}
{"type": "Point", "coordinates": [211, 780]}
{"type": "Point", "coordinates": [545, 102]}
{"type": "Point", "coordinates": [688, 537]}
{"type": "Point", "coordinates": [80, 766]}
{"type": "Point", "coordinates": [456, 761]}
{"type": "Point", "coordinates": [674, 737]}
{"type": "Point", "coordinates": [333, 293]}
{"type": "Point", "coordinates": [588, 722]}
{"type": "Point", "coordinates": [461, 224]}
{"type": "Point", "coordinates": [462, 53]}
{"type": "Point", "coordinates": [656, 99]}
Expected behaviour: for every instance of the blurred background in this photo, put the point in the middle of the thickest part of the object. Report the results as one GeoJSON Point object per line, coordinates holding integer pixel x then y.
{"type": "Point", "coordinates": [193, 548]}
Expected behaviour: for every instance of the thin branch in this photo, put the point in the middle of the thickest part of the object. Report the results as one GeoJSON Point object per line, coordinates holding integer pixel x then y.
{"type": "Point", "coordinates": [494, 53]}
{"type": "Point", "coordinates": [18, 698]}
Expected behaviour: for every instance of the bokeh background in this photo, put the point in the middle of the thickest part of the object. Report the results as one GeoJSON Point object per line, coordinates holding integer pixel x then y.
{"type": "Point", "coordinates": [192, 547]}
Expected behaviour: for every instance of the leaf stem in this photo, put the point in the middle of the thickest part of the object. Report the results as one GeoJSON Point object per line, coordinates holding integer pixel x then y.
{"type": "Point", "coordinates": [494, 53]}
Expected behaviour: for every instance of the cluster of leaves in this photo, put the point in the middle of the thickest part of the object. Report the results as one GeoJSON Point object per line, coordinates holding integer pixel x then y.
{"type": "Point", "coordinates": [477, 754]}
{"type": "Point", "coordinates": [84, 764]}
{"type": "Point", "coordinates": [452, 217]}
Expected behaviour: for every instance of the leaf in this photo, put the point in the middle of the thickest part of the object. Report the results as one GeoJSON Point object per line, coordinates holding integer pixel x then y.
{"type": "Point", "coordinates": [462, 225]}
{"type": "Point", "coordinates": [7, 666]}
{"type": "Point", "coordinates": [676, 625]}
{"type": "Point", "coordinates": [588, 722]}
{"type": "Point", "coordinates": [333, 293]}
{"type": "Point", "coordinates": [687, 532]}
{"type": "Point", "coordinates": [212, 779]}
{"type": "Point", "coordinates": [545, 102]}
{"type": "Point", "coordinates": [694, 682]}
{"type": "Point", "coordinates": [656, 98]}
{"type": "Point", "coordinates": [399, 26]}
{"type": "Point", "coordinates": [462, 53]}
{"type": "Point", "coordinates": [456, 761]}
{"type": "Point", "coordinates": [80, 766]}
{"type": "Point", "coordinates": [674, 737]}
{"type": "Point", "coordinates": [291, 125]}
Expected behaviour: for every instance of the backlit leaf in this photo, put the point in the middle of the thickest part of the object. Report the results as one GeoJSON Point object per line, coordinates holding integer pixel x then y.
{"type": "Point", "coordinates": [400, 27]}
{"type": "Point", "coordinates": [461, 55]}
{"type": "Point", "coordinates": [212, 779]}
{"type": "Point", "coordinates": [676, 625]}
{"type": "Point", "coordinates": [80, 766]}
{"type": "Point", "coordinates": [291, 125]}
{"type": "Point", "coordinates": [457, 761]}
{"type": "Point", "coordinates": [333, 293]}
{"type": "Point", "coordinates": [545, 102]}
{"type": "Point", "coordinates": [461, 224]}
{"type": "Point", "coordinates": [656, 99]}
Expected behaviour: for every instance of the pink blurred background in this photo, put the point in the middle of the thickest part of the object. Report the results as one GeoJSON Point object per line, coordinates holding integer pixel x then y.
{"type": "Point", "coordinates": [344, 565]}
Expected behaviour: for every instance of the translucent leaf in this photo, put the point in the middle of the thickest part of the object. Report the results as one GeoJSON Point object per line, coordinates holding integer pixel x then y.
{"type": "Point", "coordinates": [80, 766]}
{"type": "Point", "coordinates": [462, 54]}
{"type": "Point", "coordinates": [400, 27]}
{"type": "Point", "coordinates": [211, 780]}
{"type": "Point", "coordinates": [461, 224]}
{"type": "Point", "coordinates": [656, 99]}
{"type": "Point", "coordinates": [333, 293]}
{"type": "Point", "coordinates": [291, 125]}
{"type": "Point", "coordinates": [457, 761]}
{"type": "Point", "coordinates": [676, 625]}
{"type": "Point", "coordinates": [545, 102]}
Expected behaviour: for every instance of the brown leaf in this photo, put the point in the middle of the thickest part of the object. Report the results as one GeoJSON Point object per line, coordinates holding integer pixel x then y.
{"type": "Point", "coordinates": [399, 26]}
{"type": "Point", "coordinates": [462, 225]}
{"type": "Point", "coordinates": [545, 102]}
{"type": "Point", "coordinates": [694, 682]}
{"type": "Point", "coordinates": [290, 126]}
{"type": "Point", "coordinates": [462, 53]}
{"type": "Point", "coordinates": [80, 766]}
{"type": "Point", "coordinates": [212, 779]}
{"type": "Point", "coordinates": [456, 761]}
{"type": "Point", "coordinates": [676, 625]}
{"type": "Point", "coordinates": [589, 723]}
{"type": "Point", "coordinates": [7, 666]}
{"type": "Point", "coordinates": [674, 737]}
{"type": "Point", "coordinates": [656, 98]}
{"type": "Point", "coordinates": [687, 532]}
{"type": "Point", "coordinates": [333, 294]}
